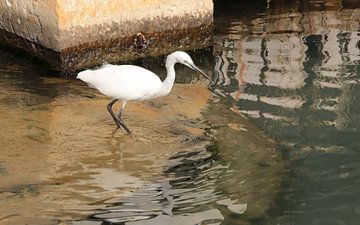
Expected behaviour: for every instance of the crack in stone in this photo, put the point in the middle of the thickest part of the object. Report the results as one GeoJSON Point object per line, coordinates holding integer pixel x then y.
{"type": "Point", "coordinates": [41, 29]}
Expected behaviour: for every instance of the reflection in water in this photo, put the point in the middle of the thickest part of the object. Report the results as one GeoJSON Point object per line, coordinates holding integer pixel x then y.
{"type": "Point", "coordinates": [62, 163]}
{"type": "Point", "coordinates": [292, 69]}
{"type": "Point", "coordinates": [208, 186]}
{"type": "Point", "coordinates": [295, 73]}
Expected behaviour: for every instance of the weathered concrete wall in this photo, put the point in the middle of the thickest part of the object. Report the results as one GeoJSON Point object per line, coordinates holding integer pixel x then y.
{"type": "Point", "coordinates": [81, 22]}
{"type": "Point", "coordinates": [33, 20]}
{"type": "Point", "coordinates": [86, 33]}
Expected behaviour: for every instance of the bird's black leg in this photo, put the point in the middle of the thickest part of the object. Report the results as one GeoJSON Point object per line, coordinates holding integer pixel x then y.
{"type": "Point", "coordinates": [118, 122]}
{"type": "Point", "coordinates": [109, 107]}
{"type": "Point", "coordinates": [121, 110]}
{"type": "Point", "coordinates": [124, 126]}
{"type": "Point", "coordinates": [120, 119]}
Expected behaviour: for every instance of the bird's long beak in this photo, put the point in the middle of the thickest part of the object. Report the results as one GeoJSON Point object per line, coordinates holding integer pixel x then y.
{"type": "Point", "coordinates": [192, 66]}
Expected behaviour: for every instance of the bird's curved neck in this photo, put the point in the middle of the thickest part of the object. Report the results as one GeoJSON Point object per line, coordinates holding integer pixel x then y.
{"type": "Point", "coordinates": [170, 78]}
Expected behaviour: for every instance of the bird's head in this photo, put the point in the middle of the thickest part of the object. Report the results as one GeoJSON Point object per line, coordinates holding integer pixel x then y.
{"type": "Point", "coordinates": [185, 59]}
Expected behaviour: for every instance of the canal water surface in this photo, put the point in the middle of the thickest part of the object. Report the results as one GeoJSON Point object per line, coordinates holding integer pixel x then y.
{"type": "Point", "coordinates": [279, 145]}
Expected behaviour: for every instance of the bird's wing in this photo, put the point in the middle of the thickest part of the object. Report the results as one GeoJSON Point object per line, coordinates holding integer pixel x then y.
{"type": "Point", "coordinates": [125, 81]}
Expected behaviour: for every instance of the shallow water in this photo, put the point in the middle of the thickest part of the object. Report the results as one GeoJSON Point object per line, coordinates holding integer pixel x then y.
{"type": "Point", "coordinates": [279, 147]}
{"type": "Point", "coordinates": [186, 162]}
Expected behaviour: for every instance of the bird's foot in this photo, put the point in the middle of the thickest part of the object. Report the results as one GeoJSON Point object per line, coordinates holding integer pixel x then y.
{"type": "Point", "coordinates": [120, 124]}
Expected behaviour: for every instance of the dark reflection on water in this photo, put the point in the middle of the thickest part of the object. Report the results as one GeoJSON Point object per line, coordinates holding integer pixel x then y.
{"type": "Point", "coordinates": [233, 182]}
{"type": "Point", "coordinates": [185, 198]}
{"type": "Point", "coordinates": [294, 71]}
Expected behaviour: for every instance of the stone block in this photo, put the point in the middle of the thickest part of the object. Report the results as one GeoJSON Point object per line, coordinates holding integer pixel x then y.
{"type": "Point", "coordinates": [72, 35]}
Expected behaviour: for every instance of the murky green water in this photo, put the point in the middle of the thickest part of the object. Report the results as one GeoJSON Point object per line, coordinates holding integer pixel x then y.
{"type": "Point", "coordinates": [280, 147]}
{"type": "Point", "coordinates": [293, 69]}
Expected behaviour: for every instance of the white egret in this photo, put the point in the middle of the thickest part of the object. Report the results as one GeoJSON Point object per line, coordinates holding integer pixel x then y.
{"type": "Point", "coordinates": [129, 82]}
